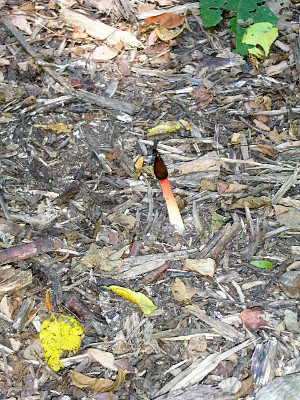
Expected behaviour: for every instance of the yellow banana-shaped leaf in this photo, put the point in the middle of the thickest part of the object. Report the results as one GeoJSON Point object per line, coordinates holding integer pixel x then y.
{"type": "Point", "coordinates": [59, 333]}
{"type": "Point", "coordinates": [140, 299]}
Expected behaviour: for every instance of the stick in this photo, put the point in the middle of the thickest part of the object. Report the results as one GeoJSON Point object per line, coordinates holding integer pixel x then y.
{"type": "Point", "coordinates": [29, 250]}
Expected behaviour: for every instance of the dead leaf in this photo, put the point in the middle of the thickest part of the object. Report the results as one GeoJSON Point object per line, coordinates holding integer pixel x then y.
{"type": "Point", "coordinates": [246, 388]}
{"type": "Point", "coordinates": [99, 257]}
{"type": "Point", "coordinates": [127, 221]}
{"type": "Point", "coordinates": [165, 34]}
{"type": "Point", "coordinates": [253, 317]}
{"type": "Point", "coordinates": [99, 30]}
{"type": "Point", "coordinates": [85, 382]}
{"type": "Point", "coordinates": [225, 188]}
{"type": "Point", "coordinates": [181, 292]}
{"type": "Point", "coordinates": [202, 164]}
{"type": "Point", "coordinates": [205, 266]}
{"type": "Point", "coordinates": [21, 22]}
{"type": "Point", "coordinates": [104, 358]}
{"type": "Point", "coordinates": [103, 53]}
{"type": "Point", "coordinates": [288, 216]}
{"type": "Point", "coordinates": [57, 128]}
{"type": "Point", "coordinates": [252, 202]}
{"type": "Point", "coordinates": [201, 96]}
{"type": "Point", "coordinates": [167, 20]}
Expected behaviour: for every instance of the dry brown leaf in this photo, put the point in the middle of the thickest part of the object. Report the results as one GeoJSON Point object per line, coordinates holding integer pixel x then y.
{"type": "Point", "coordinates": [85, 382]}
{"type": "Point", "coordinates": [250, 201]}
{"type": "Point", "coordinates": [21, 22]}
{"type": "Point", "coordinates": [225, 188]}
{"type": "Point", "coordinates": [247, 387]}
{"type": "Point", "coordinates": [288, 216]}
{"type": "Point", "coordinates": [128, 221]}
{"type": "Point", "coordinates": [201, 96]}
{"type": "Point", "coordinates": [167, 20]}
{"type": "Point", "coordinates": [165, 34]}
{"type": "Point", "coordinates": [202, 164]}
{"type": "Point", "coordinates": [260, 125]}
{"type": "Point", "coordinates": [99, 257]}
{"type": "Point", "coordinates": [181, 292]}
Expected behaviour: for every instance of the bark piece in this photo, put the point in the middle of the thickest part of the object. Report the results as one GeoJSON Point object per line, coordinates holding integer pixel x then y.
{"type": "Point", "coordinates": [199, 392]}
{"type": "Point", "coordinates": [283, 388]}
{"type": "Point", "coordinates": [290, 284]}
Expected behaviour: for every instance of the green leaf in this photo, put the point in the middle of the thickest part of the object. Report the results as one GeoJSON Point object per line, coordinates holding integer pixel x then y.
{"type": "Point", "coordinates": [262, 34]}
{"type": "Point", "coordinates": [262, 264]}
{"type": "Point", "coordinates": [246, 12]}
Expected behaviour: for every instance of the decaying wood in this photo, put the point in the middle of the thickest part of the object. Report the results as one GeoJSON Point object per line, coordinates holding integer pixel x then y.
{"type": "Point", "coordinates": [263, 362]}
{"type": "Point", "coordinates": [13, 280]}
{"type": "Point", "coordinates": [29, 250]}
{"type": "Point", "coordinates": [224, 329]}
{"type": "Point", "coordinates": [199, 392]}
{"type": "Point", "coordinates": [200, 369]}
{"type": "Point", "coordinates": [222, 238]}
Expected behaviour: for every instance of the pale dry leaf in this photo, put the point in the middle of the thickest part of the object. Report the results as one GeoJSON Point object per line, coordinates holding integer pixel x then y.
{"type": "Point", "coordinates": [181, 292]}
{"type": "Point", "coordinates": [202, 164]}
{"type": "Point", "coordinates": [104, 358]}
{"type": "Point", "coordinates": [21, 22]}
{"type": "Point", "coordinates": [99, 30]}
{"type": "Point", "coordinates": [205, 266]}
{"type": "Point", "coordinates": [103, 53]}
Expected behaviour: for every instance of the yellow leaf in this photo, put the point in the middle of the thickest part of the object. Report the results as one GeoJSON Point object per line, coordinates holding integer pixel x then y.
{"type": "Point", "coordinates": [140, 299]}
{"type": "Point", "coordinates": [57, 128]}
{"type": "Point", "coordinates": [167, 127]}
{"type": "Point", "coordinates": [139, 163]}
{"type": "Point", "coordinates": [262, 34]}
{"type": "Point", "coordinates": [59, 333]}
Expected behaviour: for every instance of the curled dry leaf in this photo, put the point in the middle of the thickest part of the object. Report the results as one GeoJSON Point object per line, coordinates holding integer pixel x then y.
{"type": "Point", "coordinates": [253, 317]}
{"type": "Point", "coordinates": [167, 20]}
{"type": "Point", "coordinates": [165, 34]}
{"type": "Point", "coordinates": [99, 385]}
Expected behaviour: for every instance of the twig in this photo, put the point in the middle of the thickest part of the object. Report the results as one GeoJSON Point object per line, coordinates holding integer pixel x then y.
{"type": "Point", "coordinates": [220, 327]}
{"type": "Point", "coordinates": [214, 249]}
{"type": "Point", "coordinates": [286, 186]}
{"type": "Point", "coordinates": [29, 250]}
{"type": "Point", "coordinates": [2, 204]}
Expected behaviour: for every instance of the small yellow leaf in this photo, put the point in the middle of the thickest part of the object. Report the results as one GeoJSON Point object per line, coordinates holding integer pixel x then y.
{"type": "Point", "coordinates": [57, 128]}
{"type": "Point", "coordinates": [139, 163]}
{"type": "Point", "coordinates": [140, 299]}
{"type": "Point", "coordinates": [58, 333]}
{"type": "Point", "coordinates": [167, 127]}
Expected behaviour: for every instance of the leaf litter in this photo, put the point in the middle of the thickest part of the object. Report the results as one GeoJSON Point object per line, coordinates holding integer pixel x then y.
{"type": "Point", "coordinates": [80, 86]}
